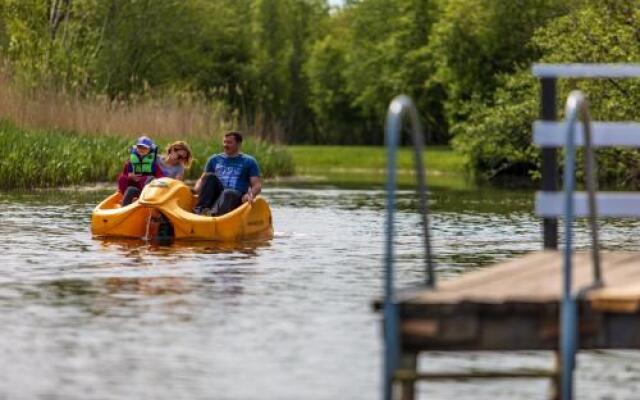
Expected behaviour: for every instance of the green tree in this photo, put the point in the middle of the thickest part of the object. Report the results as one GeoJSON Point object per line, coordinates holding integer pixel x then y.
{"type": "Point", "coordinates": [116, 47]}
{"type": "Point", "coordinates": [224, 69]}
{"type": "Point", "coordinates": [497, 134]}
{"type": "Point", "coordinates": [375, 50]}
{"type": "Point", "coordinates": [147, 43]}
{"type": "Point", "coordinates": [336, 119]}
{"type": "Point", "coordinates": [280, 37]}
{"type": "Point", "coordinates": [474, 42]}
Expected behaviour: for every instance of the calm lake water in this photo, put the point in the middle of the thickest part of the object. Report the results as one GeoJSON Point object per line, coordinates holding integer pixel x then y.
{"type": "Point", "coordinates": [287, 319]}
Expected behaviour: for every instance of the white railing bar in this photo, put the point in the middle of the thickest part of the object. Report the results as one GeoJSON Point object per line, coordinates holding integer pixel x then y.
{"type": "Point", "coordinates": [554, 134]}
{"type": "Point", "coordinates": [586, 70]}
{"type": "Point", "coordinates": [609, 204]}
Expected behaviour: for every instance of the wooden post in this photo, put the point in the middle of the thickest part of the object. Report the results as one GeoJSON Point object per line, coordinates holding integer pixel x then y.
{"type": "Point", "coordinates": [408, 361]}
{"type": "Point", "coordinates": [555, 381]}
{"type": "Point", "coordinates": [549, 161]}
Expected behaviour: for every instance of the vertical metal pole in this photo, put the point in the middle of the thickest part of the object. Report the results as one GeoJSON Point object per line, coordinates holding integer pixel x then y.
{"type": "Point", "coordinates": [591, 183]}
{"type": "Point", "coordinates": [390, 311]}
{"type": "Point", "coordinates": [399, 105]}
{"type": "Point", "coordinates": [418, 146]}
{"type": "Point", "coordinates": [568, 307]}
{"type": "Point", "coordinates": [549, 161]}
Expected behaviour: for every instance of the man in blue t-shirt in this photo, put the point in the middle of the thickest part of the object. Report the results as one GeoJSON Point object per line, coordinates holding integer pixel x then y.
{"type": "Point", "coordinates": [229, 179]}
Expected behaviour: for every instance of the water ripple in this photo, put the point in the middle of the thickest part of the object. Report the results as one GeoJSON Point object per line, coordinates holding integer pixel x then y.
{"type": "Point", "coordinates": [287, 319]}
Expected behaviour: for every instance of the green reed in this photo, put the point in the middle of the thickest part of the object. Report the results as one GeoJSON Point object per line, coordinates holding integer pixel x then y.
{"type": "Point", "coordinates": [36, 158]}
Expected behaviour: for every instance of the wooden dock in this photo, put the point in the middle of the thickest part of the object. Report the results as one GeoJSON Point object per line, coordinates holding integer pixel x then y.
{"type": "Point", "coordinates": [515, 306]}
{"type": "Point", "coordinates": [522, 304]}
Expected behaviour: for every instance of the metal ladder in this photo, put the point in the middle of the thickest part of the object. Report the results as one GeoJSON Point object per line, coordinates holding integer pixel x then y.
{"type": "Point", "coordinates": [577, 106]}
{"type": "Point", "coordinates": [400, 106]}
{"type": "Point", "coordinates": [567, 204]}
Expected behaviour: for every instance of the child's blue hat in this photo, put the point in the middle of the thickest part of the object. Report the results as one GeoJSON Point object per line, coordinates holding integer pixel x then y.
{"type": "Point", "coordinates": [145, 141]}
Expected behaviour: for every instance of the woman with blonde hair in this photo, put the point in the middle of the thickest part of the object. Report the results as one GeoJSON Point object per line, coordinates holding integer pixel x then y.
{"type": "Point", "coordinates": [176, 159]}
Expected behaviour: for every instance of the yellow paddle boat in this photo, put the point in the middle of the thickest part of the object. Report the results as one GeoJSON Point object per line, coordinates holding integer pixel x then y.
{"type": "Point", "coordinates": [172, 202]}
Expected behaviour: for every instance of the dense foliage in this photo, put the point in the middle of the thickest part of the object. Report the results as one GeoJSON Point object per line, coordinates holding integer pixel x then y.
{"type": "Point", "coordinates": [308, 73]}
{"type": "Point", "coordinates": [497, 133]}
{"type": "Point", "coordinates": [41, 159]}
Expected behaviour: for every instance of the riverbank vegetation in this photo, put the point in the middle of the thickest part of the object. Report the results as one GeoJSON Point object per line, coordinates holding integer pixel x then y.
{"type": "Point", "coordinates": [38, 158]}
{"type": "Point", "coordinates": [366, 166]}
{"type": "Point", "coordinates": [302, 72]}
{"type": "Point", "coordinates": [170, 115]}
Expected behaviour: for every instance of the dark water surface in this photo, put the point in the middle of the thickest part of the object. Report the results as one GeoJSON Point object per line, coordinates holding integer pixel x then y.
{"type": "Point", "coordinates": [287, 319]}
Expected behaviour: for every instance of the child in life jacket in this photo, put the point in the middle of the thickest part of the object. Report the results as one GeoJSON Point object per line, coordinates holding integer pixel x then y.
{"type": "Point", "coordinates": [139, 170]}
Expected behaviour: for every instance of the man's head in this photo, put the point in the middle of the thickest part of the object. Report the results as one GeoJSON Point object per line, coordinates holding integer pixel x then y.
{"type": "Point", "coordinates": [231, 143]}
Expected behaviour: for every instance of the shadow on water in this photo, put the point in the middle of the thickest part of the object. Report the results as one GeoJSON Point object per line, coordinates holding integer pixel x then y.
{"type": "Point", "coordinates": [474, 201]}
{"type": "Point", "coordinates": [347, 196]}
{"type": "Point", "coordinates": [90, 194]}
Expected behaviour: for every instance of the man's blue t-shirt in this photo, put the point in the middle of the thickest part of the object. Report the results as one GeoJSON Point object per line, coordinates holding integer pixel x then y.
{"type": "Point", "coordinates": [233, 172]}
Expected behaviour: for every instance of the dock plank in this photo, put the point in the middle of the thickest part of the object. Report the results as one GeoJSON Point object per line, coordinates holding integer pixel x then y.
{"type": "Point", "coordinates": [534, 277]}
{"type": "Point", "coordinates": [515, 305]}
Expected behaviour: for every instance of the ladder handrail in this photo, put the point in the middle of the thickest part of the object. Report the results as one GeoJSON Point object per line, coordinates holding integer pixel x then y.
{"type": "Point", "coordinates": [577, 102]}
{"type": "Point", "coordinates": [399, 106]}
{"type": "Point", "coordinates": [577, 106]}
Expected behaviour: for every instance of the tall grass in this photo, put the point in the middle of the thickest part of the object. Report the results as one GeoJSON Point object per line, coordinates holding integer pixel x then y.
{"type": "Point", "coordinates": [169, 116]}
{"type": "Point", "coordinates": [53, 138]}
{"type": "Point", "coordinates": [39, 158]}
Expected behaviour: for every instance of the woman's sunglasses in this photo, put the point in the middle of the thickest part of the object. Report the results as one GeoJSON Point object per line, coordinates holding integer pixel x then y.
{"type": "Point", "coordinates": [179, 156]}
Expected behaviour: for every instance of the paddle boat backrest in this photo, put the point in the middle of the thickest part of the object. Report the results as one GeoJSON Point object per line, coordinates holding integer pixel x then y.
{"type": "Point", "coordinates": [162, 190]}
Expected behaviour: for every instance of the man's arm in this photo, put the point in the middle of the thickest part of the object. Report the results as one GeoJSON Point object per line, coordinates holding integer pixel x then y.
{"type": "Point", "coordinates": [198, 185]}
{"type": "Point", "coordinates": [208, 167]}
{"type": "Point", "coordinates": [255, 187]}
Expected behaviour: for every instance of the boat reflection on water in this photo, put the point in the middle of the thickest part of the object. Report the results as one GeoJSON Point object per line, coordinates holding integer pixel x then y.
{"type": "Point", "coordinates": [152, 269]}
{"type": "Point", "coordinates": [178, 248]}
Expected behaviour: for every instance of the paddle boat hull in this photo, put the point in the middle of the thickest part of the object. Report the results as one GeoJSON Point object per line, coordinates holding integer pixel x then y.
{"type": "Point", "coordinates": [172, 201]}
